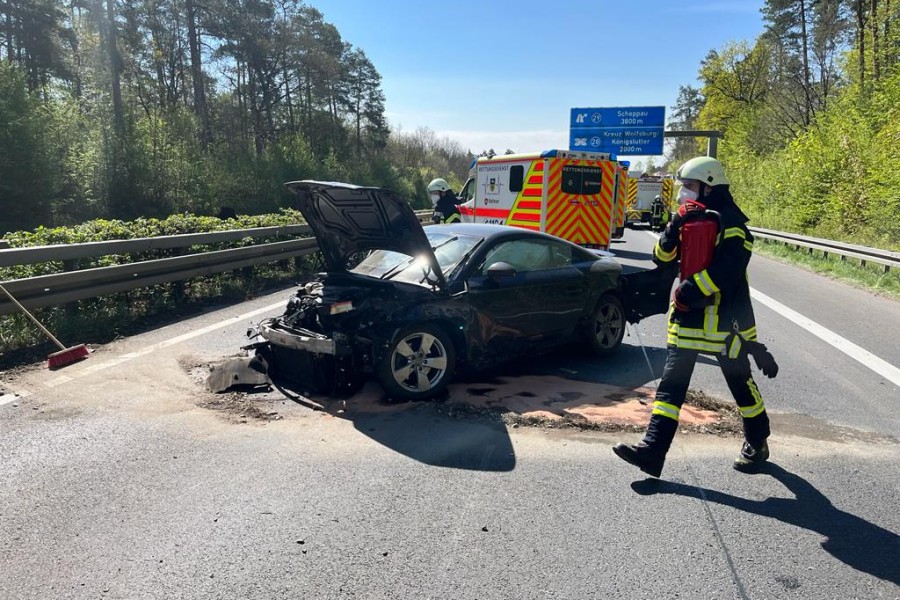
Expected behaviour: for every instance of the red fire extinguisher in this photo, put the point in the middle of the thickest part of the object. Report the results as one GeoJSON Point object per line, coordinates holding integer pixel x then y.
{"type": "Point", "coordinates": [699, 231]}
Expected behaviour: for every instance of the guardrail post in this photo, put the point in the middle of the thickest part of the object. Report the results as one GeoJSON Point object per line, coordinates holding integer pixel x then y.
{"type": "Point", "coordinates": [179, 288]}
{"type": "Point", "coordinates": [71, 308]}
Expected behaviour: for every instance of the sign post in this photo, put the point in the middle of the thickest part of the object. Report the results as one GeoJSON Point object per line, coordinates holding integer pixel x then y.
{"type": "Point", "coordinates": [628, 130]}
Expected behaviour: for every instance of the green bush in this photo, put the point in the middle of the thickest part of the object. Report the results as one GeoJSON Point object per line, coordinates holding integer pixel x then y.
{"type": "Point", "coordinates": [103, 318]}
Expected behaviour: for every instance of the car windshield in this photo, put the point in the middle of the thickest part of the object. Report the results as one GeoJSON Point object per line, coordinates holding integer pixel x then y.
{"type": "Point", "coordinates": [449, 249]}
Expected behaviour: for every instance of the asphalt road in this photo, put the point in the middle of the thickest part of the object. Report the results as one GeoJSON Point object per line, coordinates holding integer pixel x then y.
{"type": "Point", "coordinates": [122, 478]}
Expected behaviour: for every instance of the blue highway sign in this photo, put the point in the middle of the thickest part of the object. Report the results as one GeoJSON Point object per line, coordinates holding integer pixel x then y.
{"type": "Point", "coordinates": [620, 130]}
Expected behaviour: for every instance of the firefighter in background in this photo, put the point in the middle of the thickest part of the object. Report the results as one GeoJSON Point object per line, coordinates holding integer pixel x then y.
{"type": "Point", "coordinates": [656, 214]}
{"type": "Point", "coordinates": [711, 314]}
{"type": "Point", "coordinates": [444, 201]}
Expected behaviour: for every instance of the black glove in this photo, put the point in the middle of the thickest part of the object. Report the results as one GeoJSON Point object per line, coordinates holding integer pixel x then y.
{"type": "Point", "coordinates": [688, 210]}
{"type": "Point", "coordinates": [674, 226]}
{"type": "Point", "coordinates": [763, 358]}
{"type": "Point", "coordinates": [688, 295]}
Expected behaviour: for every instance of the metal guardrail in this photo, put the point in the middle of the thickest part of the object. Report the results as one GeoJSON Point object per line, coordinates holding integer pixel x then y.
{"type": "Point", "coordinates": [72, 284]}
{"type": "Point", "coordinates": [864, 254]}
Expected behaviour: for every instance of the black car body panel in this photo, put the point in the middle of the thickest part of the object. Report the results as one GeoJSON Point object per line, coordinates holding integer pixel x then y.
{"type": "Point", "coordinates": [507, 292]}
{"type": "Point", "coordinates": [647, 293]}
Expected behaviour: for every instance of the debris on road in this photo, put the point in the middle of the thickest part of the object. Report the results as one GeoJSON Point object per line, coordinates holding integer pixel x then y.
{"type": "Point", "coordinates": [238, 372]}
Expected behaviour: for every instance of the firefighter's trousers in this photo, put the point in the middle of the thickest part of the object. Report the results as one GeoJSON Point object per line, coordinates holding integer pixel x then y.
{"type": "Point", "coordinates": [673, 388]}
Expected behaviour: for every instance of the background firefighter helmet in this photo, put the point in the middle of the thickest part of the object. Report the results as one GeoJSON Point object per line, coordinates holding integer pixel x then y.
{"type": "Point", "coordinates": [705, 169]}
{"type": "Point", "coordinates": [438, 185]}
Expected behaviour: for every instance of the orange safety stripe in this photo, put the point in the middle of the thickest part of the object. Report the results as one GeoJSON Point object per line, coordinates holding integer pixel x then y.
{"type": "Point", "coordinates": [525, 211]}
{"type": "Point", "coordinates": [621, 194]}
{"type": "Point", "coordinates": [492, 213]}
{"type": "Point", "coordinates": [530, 204]}
{"type": "Point", "coordinates": [580, 219]}
{"type": "Point", "coordinates": [668, 185]}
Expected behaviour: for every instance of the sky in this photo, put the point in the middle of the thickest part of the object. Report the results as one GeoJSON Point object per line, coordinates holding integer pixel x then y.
{"type": "Point", "coordinates": [505, 73]}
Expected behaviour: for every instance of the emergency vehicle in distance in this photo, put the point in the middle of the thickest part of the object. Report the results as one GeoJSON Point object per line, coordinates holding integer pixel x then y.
{"type": "Point", "coordinates": [577, 196]}
{"type": "Point", "coordinates": [642, 191]}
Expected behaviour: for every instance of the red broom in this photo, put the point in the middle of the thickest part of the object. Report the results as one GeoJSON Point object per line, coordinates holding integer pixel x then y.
{"type": "Point", "coordinates": [65, 355]}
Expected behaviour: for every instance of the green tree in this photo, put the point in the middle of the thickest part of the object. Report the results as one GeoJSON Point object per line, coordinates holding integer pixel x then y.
{"type": "Point", "coordinates": [683, 117]}
{"type": "Point", "coordinates": [24, 173]}
{"type": "Point", "coordinates": [365, 101]}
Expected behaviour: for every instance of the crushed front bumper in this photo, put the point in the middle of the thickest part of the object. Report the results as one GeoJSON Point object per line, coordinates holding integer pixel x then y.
{"type": "Point", "coordinates": [306, 361]}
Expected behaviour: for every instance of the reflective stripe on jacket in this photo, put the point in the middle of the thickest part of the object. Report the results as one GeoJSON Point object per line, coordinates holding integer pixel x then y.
{"type": "Point", "coordinates": [722, 291]}
{"type": "Point", "coordinates": [446, 210]}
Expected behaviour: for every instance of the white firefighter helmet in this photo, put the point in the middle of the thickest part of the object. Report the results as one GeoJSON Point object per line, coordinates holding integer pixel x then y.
{"type": "Point", "coordinates": [705, 169]}
{"type": "Point", "coordinates": [438, 185]}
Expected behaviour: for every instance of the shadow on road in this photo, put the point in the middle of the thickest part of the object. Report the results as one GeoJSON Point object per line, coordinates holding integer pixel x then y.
{"type": "Point", "coordinates": [854, 541]}
{"type": "Point", "coordinates": [425, 433]}
{"type": "Point", "coordinates": [626, 368]}
{"type": "Point", "coordinates": [434, 433]}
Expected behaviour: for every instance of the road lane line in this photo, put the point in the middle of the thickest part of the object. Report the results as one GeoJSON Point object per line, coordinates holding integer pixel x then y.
{"type": "Point", "coordinates": [863, 356]}
{"type": "Point", "coordinates": [857, 353]}
{"type": "Point", "coordinates": [7, 398]}
{"type": "Point", "coordinates": [114, 362]}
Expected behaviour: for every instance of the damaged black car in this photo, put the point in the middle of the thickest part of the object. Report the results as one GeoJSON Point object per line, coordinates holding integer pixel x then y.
{"type": "Point", "coordinates": [413, 306]}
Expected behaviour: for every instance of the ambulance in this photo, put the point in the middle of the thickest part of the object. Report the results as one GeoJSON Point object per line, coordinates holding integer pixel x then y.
{"type": "Point", "coordinates": [621, 199]}
{"type": "Point", "coordinates": [641, 193]}
{"type": "Point", "coordinates": [572, 195]}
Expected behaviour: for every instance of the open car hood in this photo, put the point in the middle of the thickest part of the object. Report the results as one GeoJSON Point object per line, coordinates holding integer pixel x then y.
{"type": "Point", "coordinates": [347, 219]}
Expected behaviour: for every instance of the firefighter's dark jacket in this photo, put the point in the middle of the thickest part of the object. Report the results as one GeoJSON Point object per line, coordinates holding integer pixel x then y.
{"type": "Point", "coordinates": [446, 211]}
{"type": "Point", "coordinates": [718, 296]}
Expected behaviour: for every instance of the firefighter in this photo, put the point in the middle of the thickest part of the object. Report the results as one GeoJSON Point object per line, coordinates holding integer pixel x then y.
{"type": "Point", "coordinates": [656, 213]}
{"type": "Point", "coordinates": [444, 201]}
{"type": "Point", "coordinates": [710, 314]}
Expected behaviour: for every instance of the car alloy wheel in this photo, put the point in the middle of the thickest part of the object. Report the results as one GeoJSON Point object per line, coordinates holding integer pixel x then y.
{"type": "Point", "coordinates": [418, 364]}
{"type": "Point", "coordinates": [608, 325]}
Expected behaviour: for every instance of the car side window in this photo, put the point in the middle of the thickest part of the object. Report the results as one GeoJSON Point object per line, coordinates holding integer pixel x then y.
{"type": "Point", "coordinates": [529, 255]}
{"type": "Point", "coordinates": [560, 255]}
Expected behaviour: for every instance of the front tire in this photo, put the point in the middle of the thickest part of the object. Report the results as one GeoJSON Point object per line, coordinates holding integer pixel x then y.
{"type": "Point", "coordinates": [418, 363]}
{"type": "Point", "coordinates": [607, 325]}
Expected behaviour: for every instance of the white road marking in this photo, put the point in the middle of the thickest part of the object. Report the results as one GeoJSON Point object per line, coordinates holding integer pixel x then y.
{"type": "Point", "coordinates": [857, 353]}
{"type": "Point", "coordinates": [863, 356]}
{"type": "Point", "coordinates": [96, 367]}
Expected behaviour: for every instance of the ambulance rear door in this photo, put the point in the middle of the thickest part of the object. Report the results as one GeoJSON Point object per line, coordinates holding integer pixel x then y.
{"type": "Point", "coordinates": [581, 200]}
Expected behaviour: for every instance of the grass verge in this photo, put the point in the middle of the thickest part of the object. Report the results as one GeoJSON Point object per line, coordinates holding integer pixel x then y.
{"type": "Point", "coordinates": [871, 277]}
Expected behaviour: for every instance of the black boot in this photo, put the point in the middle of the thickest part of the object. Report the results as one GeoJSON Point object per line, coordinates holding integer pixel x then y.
{"type": "Point", "coordinates": [642, 456]}
{"type": "Point", "coordinates": [751, 459]}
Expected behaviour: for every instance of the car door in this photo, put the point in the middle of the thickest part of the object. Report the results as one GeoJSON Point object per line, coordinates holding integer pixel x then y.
{"type": "Point", "coordinates": [537, 306]}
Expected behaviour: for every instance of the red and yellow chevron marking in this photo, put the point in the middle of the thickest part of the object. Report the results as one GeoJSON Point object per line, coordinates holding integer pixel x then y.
{"type": "Point", "coordinates": [526, 209]}
{"type": "Point", "coordinates": [580, 219]}
{"type": "Point", "coordinates": [668, 186]}
{"type": "Point", "coordinates": [621, 197]}
{"type": "Point", "coordinates": [632, 192]}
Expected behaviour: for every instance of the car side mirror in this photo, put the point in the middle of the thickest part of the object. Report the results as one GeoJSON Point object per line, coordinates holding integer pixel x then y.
{"type": "Point", "coordinates": [501, 270]}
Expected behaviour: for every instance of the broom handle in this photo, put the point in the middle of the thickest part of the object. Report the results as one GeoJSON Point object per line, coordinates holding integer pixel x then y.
{"type": "Point", "coordinates": [33, 320]}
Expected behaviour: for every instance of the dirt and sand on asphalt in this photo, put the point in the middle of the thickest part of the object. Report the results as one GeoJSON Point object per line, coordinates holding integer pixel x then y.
{"type": "Point", "coordinates": [521, 400]}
